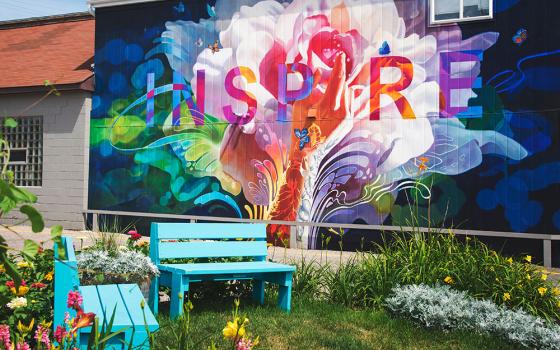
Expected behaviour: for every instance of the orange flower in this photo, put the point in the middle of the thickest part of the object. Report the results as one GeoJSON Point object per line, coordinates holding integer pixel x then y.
{"type": "Point", "coordinates": [83, 319]}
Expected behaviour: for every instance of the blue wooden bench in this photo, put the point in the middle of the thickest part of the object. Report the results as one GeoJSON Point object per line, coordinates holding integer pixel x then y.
{"type": "Point", "coordinates": [123, 299]}
{"type": "Point", "coordinates": [215, 240]}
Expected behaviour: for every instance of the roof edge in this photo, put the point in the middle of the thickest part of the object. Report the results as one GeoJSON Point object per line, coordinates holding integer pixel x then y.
{"type": "Point", "coordinates": [109, 3]}
{"type": "Point", "coordinates": [36, 21]}
{"type": "Point", "coordinates": [86, 85]}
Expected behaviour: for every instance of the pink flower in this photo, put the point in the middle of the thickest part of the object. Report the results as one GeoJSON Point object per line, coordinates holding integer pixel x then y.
{"type": "Point", "coordinates": [134, 235]}
{"type": "Point", "coordinates": [59, 334]}
{"type": "Point", "coordinates": [23, 346]}
{"type": "Point", "coordinates": [12, 284]}
{"type": "Point", "coordinates": [244, 344]}
{"type": "Point", "coordinates": [42, 336]}
{"type": "Point", "coordinates": [74, 299]}
{"type": "Point", "coordinates": [5, 337]}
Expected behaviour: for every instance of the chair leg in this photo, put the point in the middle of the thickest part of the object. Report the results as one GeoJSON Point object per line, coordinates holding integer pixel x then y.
{"type": "Point", "coordinates": [258, 291]}
{"type": "Point", "coordinates": [154, 295]}
{"type": "Point", "coordinates": [285, 294]}
{"type": "Point", "coordinates": [177, 295]}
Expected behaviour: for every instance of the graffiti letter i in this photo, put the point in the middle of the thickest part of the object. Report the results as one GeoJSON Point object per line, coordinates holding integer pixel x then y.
{"type": "Point", "coordinates": [150, 100]}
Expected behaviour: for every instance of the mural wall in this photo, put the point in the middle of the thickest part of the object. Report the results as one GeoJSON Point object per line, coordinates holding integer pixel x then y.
{"type": "Point", "coordinates": [328, 111]}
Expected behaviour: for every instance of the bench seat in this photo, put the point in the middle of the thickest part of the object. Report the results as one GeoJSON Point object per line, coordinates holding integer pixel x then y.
{"type": "Point", "coordinates": [224, 268]}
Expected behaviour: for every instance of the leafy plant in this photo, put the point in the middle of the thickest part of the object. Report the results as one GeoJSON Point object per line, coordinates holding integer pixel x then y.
{"type": "Point", "coordinates": [448, 309]}
{"type": "Point", "coordinates": [124, 266]}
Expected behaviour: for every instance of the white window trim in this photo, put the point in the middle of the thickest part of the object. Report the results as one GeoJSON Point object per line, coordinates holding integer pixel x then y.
{"type": "Point", "coordinates": [461, 19]}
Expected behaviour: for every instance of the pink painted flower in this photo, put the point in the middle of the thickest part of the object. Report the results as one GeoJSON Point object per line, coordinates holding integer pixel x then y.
{"type": "Point", "coordinates": [5, 341]}
{"type": "Point", "coordinates": [74, 299]}
{"type": "Point", "coordinates": [59, 334]}
{"type": "Point", "coordinates": [42, 336]}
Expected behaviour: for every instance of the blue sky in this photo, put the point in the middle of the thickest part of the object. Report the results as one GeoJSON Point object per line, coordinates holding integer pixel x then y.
{"type": "Point", "coordinates": [18, 9]}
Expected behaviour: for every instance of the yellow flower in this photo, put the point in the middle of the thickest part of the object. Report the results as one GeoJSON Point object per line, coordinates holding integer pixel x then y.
{"type": "Point", "coordinates": [506, 296]}
{"type": "Point", "coordinates": [542, 291]}
{"type": "Point", "coordinates": [21, 291]}
{"type": "Point", "coordinates": [448, 280]}
{"type": "Point", "coordinates": [558, 303]}
{"type": "Point", "coordinates": [509, 260]}
{"type": "Point", "coordinates": [142, 244]}
{"type": "Point", "coordinates": [25, 329]}
{"type": "Point", "coordinates": [556, 291]}
{"type": "Point", "coordinates": [528, 258]}
{"type": "Point", "coordinates": [235, 329]}
{"type": "Point", "coordinates": [23, 264]}
{"type": "Point", "coordinates": [528, 277]}
{"type": "Point", "coordinates": [2, 269]}
{"type": "Point", "coordinates": [49, 276]}
{"type": "Point", "coordinates": [544, 276]}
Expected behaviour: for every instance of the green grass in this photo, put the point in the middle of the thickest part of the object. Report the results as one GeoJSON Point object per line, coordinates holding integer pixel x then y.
{"type": "Point", "coordinates": [317, 325]}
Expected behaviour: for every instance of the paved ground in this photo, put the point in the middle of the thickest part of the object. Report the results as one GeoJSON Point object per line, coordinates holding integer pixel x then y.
{"type": "Point", "coordinates": [278, 254]}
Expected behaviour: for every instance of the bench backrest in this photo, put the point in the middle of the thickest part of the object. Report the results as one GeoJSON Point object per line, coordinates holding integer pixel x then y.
{"type": "Point", "coordinates": [207, 240]}
{"type": "Point", "coordinates": [66, 278]}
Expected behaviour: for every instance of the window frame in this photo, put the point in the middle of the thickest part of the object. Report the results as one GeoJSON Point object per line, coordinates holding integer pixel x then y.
{"type": "Point", "coordinates": [434, 23]}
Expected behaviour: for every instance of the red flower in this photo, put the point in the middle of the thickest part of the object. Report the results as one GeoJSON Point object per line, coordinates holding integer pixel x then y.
{"type": "Point", "coordinates": [12, 284]}
{"type": "Point", "coordinates": [59, 334]}
{"type": "Point", "coordinates": [83, 319]}
{"type": "Point", "coordinates": [74, 300]}
{"type": "Point", "coordinates": [134, 235]}
{"type": "Point", "coordinates": [38, 285]}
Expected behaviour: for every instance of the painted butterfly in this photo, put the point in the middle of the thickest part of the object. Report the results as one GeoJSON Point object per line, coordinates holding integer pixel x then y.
{"type": "Point", "coordinates": [303, 136]}
{"type": "Point", "coordinates": [180, 8]}
{"type": "Point", "coordinates": [215, 48]}
{"type": "Point", "coordinates": [384, 49]}
{"type": "Point", "coordinates": [520, 37]}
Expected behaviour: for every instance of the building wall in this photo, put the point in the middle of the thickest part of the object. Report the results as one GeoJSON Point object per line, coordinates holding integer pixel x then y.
{"type": "Point", "coordinates": [62, 196]}
{"type": "Point", "coordinates": [382, 112]}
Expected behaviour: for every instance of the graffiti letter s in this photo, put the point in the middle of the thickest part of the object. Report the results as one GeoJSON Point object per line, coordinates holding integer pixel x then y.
{"type": "Point", "coordinates": [240, 95]}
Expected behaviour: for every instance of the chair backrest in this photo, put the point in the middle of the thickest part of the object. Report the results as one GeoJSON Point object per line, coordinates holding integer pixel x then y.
{"type": "Point", "coordinates": [207, 240]}
{"type": "Point", "coordinates": [66, 279]}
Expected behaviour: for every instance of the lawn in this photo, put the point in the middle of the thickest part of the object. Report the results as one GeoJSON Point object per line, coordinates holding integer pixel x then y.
{"type": "Point", "coordinates": [317, 325]}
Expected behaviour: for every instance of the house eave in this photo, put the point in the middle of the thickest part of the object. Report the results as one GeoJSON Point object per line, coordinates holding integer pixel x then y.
{"type": "Point", "coordinates": [109, 3]}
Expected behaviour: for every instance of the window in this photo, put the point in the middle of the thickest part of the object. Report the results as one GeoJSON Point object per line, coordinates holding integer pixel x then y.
{"type": "Point", "coordinates": [452, 11]}
{"type": "Point", "coordinates": [26, 150]}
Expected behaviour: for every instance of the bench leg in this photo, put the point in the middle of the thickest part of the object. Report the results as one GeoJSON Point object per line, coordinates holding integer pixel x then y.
{"type": "Point", "coordinates": [285, 293]}
{"type": "Point", "coordinates": [154, 295]}
{"type": "Point", "coordinates": [178, 289]}
{"type": "Point", "coordinates": [258, 291]}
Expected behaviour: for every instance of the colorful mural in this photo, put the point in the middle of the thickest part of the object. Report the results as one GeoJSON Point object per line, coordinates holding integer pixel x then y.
{"type": "Point", "coordinates": [327, 111]}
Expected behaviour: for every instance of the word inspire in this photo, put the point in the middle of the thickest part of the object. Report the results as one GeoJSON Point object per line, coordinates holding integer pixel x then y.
{"type": "Point", "coordinates": [285, 96]}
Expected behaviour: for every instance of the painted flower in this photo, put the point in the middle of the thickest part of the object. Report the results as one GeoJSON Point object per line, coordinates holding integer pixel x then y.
{"type": "Point", "coordinates": [506, 296]}
{"type": "Point", "coordinates": [17, 303]}
{"type": "Point", "coordinates": [448, 280]}
{"type": "Point", "coordinates": [542, 291]}
{"type": "Point", "coordinates": [74, 300]}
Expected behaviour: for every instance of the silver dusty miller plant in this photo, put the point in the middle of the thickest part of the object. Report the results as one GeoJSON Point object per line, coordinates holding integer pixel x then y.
{"type": "Point", "coordinates": [449, 309]}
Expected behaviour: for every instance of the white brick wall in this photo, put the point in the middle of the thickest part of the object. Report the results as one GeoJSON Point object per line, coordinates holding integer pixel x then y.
{"type": "Point", "coordinates": [63, 195]}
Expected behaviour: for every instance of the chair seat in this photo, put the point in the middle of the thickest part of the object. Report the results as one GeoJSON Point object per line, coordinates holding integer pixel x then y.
{"type": "Point", "coordinates": [122, 299]}
{"type": "Point", "coordinates": [227, 268]}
